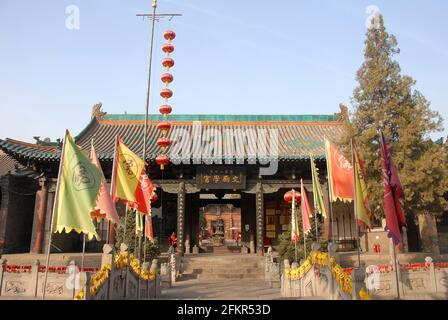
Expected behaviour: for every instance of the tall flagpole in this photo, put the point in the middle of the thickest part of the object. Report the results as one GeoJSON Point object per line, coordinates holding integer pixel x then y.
{"type": "Point", "coordinates": [112, 183]}
{"type": "Point", "coordinates": [394, 253]}
{"type": "Point", "coordinates": [329, 194]}
{"type": "Point", "coordinates": [84, 235]}
{"type": "Point", "coordinates": [47, 263]}
{"type": "Point", "coordinates": [315, 198]}
{"type": "Point", "coordinates": [295, 221]}
{"type": "Point", "coordinates": [125, 224]}
{"type": "Point", "coordinates": [83, 250]}
{"type": "Point", "coordinates": [303, 226]}
{"type": "Point", "coordinates": [358, 242]}
{"type": "Point", "coordinates": [148, 92]}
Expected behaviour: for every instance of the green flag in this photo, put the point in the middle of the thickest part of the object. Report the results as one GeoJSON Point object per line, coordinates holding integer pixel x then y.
{"type": "Point", "coordinates": [79, 185]}
{"type": "Point", "coordinates": [319, 204]}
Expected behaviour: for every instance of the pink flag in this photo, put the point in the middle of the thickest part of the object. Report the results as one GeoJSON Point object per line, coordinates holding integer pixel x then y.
{"type": "Point", "coordinates": [105, 207]}
{"type": "Point", "coordinates": [392, 194]}
{"type": "Point", "coordinates": [306, 210]}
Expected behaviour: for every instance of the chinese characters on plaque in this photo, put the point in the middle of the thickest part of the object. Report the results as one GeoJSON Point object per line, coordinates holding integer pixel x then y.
{"type": "Point", "coordinates": [221, 177]}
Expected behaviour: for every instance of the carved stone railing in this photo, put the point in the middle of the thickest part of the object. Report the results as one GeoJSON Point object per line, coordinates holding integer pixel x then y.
{"type": "Point", "coordinates": [416, 280]}
{"type": "Point", "coordinates": [328, 280]}
{"type": "Point", "coordinates": [320, 276]}
{"type": "Point", "coordinates": [27, 281]}
{"type": "Point", "coordinates": [271, 270]}
{"type": "Point", "coordinates": [122, 278]}
{"type": "Point", "coordinates": [169, 271]}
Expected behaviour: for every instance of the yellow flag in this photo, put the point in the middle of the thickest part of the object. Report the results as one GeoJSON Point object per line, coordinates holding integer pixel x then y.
{"type": "Point", "coordinates": [127, 171]}
{"type": "Point", "coordinates": [362, 210]}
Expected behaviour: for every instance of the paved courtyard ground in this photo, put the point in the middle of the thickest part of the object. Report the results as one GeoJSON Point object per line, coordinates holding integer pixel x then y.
{"type": "Point", "coordinates": [220, 290]}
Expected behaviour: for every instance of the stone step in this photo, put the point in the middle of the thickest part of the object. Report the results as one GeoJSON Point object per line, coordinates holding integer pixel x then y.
{"type": "Point", "coordinates": [224, 271]}
{"type": "Point", "coordinates": [224, 265]}
{"type": "Point", "coordinates": [235, 276]}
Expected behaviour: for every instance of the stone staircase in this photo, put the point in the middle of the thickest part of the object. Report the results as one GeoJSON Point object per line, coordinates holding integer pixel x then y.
{"type": "Point", "coordinates": [222, 267]}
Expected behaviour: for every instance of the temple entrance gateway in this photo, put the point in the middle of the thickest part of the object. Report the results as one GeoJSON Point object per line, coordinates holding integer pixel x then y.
{"type": "Point", "coordinates": [220, 223]}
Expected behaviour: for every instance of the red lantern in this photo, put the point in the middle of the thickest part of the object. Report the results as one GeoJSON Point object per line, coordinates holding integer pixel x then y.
{"type": "Point", "coordinates": [162, 160]}
{"type": "Point", "coordinates": [164, 126]}
{"type": "Point", "coordinates": [167, 78]}
{"type": "Point", "coordinates": [168, 48]}
{"type": "Point", "coordinates": [168, 63]}
{"type": "Point", "coordinates": [169, 35]}
{"type": "Point", "coordinates": [165, 109]}
{"type": "Point", "coordinates": [163, 142]}
{"type": "Point", "coordinates": [289, 195]}
{"type": "Point", "coordinates": [154, 198]}
{"type": "Point", "coordinates": [166, 93]}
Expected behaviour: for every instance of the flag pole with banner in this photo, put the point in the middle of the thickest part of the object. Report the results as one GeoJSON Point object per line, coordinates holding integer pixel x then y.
{"type": "Point", "coordinates": [112, 182]}
{"type": "Point", "coordinates": [319, 205]}
{"type": "Point", "coordinates": [306, 212]}
{"type": "Point", "coordinates": [294, 225]}
{"type": "Point", "coordinates": [77, 190]}
{"type": "Point", "coordinates": [330, 199]}
{"type": "Point", "coordinates": [44, 289]}
{"type": "Point", "coordinates": [128, 168]}
{"type": "Point", "coordinates": [355, 203]}
{"type": "Point", "coordinates": [393, 191]}
{"type": "Point", "coordinates": [340, 175]}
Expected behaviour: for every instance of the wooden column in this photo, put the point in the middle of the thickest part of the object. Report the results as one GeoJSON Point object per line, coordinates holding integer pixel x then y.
{"type": "Point", "coordinates": [180, 218]}
{"type": "Point", "coordinates": [42, 198]}
{"type": "Point", "coordinates": [259, 203]}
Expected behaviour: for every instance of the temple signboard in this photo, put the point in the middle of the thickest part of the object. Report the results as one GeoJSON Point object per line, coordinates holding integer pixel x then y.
{"type": "Point", "coordinates": [221, 177]}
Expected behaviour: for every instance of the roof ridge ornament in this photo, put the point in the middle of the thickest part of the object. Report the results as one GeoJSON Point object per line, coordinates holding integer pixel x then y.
{"type": "Point", "coordinates": [97, 111]}
{"type": "Point", "coordinates": [343, 115]}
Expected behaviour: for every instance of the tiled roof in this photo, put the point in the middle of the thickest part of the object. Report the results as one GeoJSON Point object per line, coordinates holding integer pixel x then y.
{"type": "Point", "coordinates": [299, 135]}
{"type": "Point", "coordinates": [7, 164]}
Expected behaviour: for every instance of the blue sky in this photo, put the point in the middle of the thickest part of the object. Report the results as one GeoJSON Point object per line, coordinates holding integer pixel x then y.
{"type": "Point", "coordinates": [232, 57]}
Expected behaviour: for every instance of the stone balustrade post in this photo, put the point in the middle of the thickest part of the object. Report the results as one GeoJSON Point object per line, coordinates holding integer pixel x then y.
{"type": "Point", "coordinates": [124, 248]}
{"type": "Point", "coordinates": [173, 265]}
{"type": "Point", "coordinates": [87, 287]}
{"type": "Point", "coordinates": [331, 286]}
{"type": "Point", "coordinates": [2, 272]}
{"type": "Point", "coordinates": [432, 275]}
{"type": "Point", "coordinates": [358, 275]}
{"type": "Point", "coordinates": [154, 269]}
{"type": "Point", "coordinates": [145, 267]}
{"type": "Point", "coordinates": [34, 278]}
{"type": "Point", "coordinates": [284, 279]}
{"type": "Point", "coordinates": [165, 271]}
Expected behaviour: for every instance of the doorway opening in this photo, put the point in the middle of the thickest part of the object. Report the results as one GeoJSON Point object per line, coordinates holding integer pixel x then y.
{"type": "Point", "coordinates": [220, 223]}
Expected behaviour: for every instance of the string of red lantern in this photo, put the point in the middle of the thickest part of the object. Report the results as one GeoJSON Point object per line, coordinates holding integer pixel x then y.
{"type": "Point", "coordinates": [166, 93]}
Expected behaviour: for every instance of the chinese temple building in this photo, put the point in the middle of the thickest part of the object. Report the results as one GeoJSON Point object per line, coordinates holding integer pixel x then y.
{"type": "Point", "coordinates": [224, 187]}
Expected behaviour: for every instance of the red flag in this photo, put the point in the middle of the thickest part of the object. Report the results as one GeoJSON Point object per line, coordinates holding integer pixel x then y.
{"type": "Point", "coordinates": [143, 194]}
{"type": "Point", "coordinates": [305, 209]}
{"type": "Point", "coordinates": [340, 174]}
{"type": "Point", "coordinates": [148, 227]}
{"type": "Point", "coordinates": [393, 191]}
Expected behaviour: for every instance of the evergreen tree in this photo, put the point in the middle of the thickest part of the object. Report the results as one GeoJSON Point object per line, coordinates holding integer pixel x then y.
{"type": "Point", "coordinates": [286, 247]}
{"type": "Point", "coordinates": [385, 99]}
{"type": "Point", "coordinates": [131, 239]}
